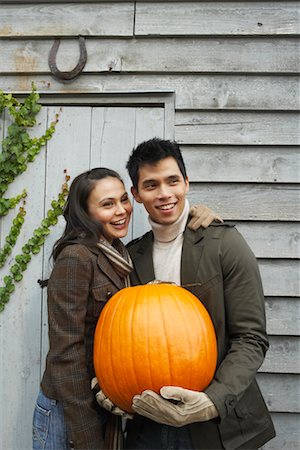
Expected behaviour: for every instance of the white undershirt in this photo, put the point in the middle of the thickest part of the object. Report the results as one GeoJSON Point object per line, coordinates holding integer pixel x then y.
{"type": "Point", "coordinates": [167, 247]}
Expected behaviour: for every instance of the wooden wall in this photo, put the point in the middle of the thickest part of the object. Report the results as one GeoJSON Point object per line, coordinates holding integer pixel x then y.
{"type": "Point", "coordinates": [234, 69]}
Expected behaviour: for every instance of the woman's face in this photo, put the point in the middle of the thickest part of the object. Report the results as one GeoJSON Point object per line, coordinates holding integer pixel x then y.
{"type": "Point", "coordinates": [108, 203]}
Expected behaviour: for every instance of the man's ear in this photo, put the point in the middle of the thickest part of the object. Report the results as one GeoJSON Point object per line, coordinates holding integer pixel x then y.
{"type": "Point", "coordinates": [135, 194]}
{"type": "Point", "coordinates": [187, 184]}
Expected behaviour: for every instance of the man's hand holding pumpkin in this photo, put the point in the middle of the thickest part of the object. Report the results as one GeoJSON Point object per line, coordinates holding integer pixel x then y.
{"type": "Point", "coordinates": [190, 406]}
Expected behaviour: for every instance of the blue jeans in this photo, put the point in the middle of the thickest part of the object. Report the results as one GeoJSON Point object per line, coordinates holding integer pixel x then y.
{"type": "Point", "coordinates": [49, 429]}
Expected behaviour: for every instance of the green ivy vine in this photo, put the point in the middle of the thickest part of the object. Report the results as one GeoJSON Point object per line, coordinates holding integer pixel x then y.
{"type": "Point", "coordinates": [19, 149]}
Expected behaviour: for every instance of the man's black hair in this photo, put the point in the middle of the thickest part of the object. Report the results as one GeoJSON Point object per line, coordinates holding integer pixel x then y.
{"type": "Point", "coordinates": [151, 152]}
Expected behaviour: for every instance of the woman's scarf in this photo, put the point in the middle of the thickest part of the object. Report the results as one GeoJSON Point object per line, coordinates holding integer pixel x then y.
{"type": "Point", "coordinates": [119, 258]}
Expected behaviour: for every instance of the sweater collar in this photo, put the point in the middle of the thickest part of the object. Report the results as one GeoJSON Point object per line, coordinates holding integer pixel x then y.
{"type": "Point", "coordinates": [169, 232]}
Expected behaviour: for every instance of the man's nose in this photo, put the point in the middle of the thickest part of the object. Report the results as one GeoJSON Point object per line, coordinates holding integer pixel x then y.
{"type": "Point", "coordinates": [164, 191]}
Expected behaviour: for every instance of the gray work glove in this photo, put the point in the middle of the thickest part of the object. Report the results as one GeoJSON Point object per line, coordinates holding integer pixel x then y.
{"type": "Point", "coordinates": [191, 406]}
{"type": "Point", "coordinates": [202, 216]}
{"type": "Point", "coordinates": [106, 403]}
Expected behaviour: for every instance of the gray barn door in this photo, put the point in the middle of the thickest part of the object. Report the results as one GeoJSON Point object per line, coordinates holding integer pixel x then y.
{"type": "Point", "coordinates": [85, 137]}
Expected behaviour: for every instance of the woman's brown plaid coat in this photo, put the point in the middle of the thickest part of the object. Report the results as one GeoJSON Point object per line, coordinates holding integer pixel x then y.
{"type": "Point", "coordinates": [81, 282]}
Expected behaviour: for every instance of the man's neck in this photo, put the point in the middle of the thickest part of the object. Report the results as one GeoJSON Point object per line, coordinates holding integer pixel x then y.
{"type": "Point", "coordinates": [169, 232]}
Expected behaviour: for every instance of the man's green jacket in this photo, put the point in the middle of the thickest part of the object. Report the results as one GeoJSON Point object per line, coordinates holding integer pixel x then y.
{"type": "Point", "coordinates": [220, 269]}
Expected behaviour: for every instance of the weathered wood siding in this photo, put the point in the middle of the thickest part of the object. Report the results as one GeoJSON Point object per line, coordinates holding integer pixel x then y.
{"type": "Point", "coordinates": [234, 69]}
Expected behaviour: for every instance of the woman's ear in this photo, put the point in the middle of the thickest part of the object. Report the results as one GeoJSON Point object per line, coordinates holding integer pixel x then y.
{"type": "Point", "coordinates": [135, 194]}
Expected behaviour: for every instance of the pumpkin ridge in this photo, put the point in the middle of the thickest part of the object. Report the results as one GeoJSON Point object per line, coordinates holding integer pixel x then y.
{"type": "Point", "coordinates": [133, 352]}
{"type": "Point", "coordinates": [114, 382]}
{"type": "Point", "coordinates": [207, 326]}
{"type": "Point", "coordinates": [126, 389]}
{"type": "Point", "coordinates": [167, 345]}
{"type": "Point", "coordinates": [183, 312]}
{"type": "Point", "coordinates": [147, 342]}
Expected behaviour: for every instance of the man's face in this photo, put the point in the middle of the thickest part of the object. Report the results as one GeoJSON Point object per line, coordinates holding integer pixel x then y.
{"type": "Point", "coordinates": [162, 190]}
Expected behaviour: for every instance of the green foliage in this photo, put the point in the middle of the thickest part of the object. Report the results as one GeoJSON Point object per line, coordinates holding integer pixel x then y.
{"type": "Point", "coordinates": [12, 236]}
{"type": "Point", "coordinates": [32, 246]}
{"type": "Point", "coordinates": [19, 149]}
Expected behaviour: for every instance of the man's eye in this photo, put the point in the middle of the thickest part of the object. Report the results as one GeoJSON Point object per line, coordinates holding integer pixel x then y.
{"type": "Point", "coordinates": [150, 186]}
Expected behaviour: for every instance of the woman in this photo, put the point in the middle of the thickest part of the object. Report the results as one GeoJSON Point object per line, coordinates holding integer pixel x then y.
{"type": "Point", "coordinates": [91, 264]}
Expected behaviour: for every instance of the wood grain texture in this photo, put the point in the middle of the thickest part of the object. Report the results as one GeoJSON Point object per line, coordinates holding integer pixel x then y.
{"type": "Point", "coordinates": [280, 277]}
{"type": "Point", "coordinates": [242, 163]}
{"type": "Point", "coordinates": [282, 356]}
{"type": "Point", "coordinates": [218, 18]}
{"type": "Point", "coordinates": [283, 316]}
{"type": "Point", "coordinates": [21, 321]}
{"type": "Point", "coordinates": [272, 239]}
{"type": "Point", "coordinates": [249, 201]}
{"type": "Point", "coordinates": [176, 55]}
{"type": "Point", "coordinates": [287, 430]}
{"type": "Point", "coordinates": [102, 19]}
{"type": "Point", "coordinates": [212, 92]}
{"type": "Point", "coordinates": [287, 398]}
{"type": "Point", "coordinates": [237, 128]}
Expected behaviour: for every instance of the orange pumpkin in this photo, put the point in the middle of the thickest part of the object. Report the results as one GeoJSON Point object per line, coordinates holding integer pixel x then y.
{"type": "Point", "coordinates": [152, 336]}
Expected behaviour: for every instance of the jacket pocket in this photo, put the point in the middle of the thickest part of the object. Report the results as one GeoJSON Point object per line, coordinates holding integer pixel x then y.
{"type": "Point", "coordinates": [101, 294]}
{"type": "Point", "coordinates": [203, 289]}
{"type": "Point", "coordinates": [41, 421]}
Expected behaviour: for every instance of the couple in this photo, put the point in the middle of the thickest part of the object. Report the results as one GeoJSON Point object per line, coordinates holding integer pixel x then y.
{"type": "Point", "coordinates": [91, 264]}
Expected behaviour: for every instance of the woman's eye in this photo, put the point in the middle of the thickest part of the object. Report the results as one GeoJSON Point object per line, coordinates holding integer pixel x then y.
{"type": "Point", "coordinates": [108, 204]}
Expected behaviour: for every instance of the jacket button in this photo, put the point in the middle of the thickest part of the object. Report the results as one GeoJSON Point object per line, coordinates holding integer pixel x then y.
{"type": "Point", "coordinates": [108, 294]}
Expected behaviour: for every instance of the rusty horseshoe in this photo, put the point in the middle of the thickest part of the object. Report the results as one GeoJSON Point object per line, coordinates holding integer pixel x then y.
{"type": "Point", "coordinates": [67, 76]}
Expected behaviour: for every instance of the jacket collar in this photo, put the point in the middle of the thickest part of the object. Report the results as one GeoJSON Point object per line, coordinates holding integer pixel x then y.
{"type": "Point", "coordinates": [190, 260]}
{"type": "Point", "coordinates": [192, 249]}
{"type": "Point", "coordinates": [106, 267]}
{"type": "Point", "coordinates": [142, 257]}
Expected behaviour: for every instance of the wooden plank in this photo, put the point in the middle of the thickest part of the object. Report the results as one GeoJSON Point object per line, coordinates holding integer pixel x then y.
{"type": "Point", "coordinates": [272, 239]}
{"type": "Point", "coordinates": [211, 19]}
{"type": "Point", "coordinates": [177, 55]}
{"type": "Point", "coordinates": [282, 356]}
{"type": "Point", "coordinates": [246, 201]}
{"type": "Point", "coordinates": [215, 92]}
{"type": "Point", "coordinates": [234, 164]}
{"type": "Point", "coordinates": [283, 316]}
{"type": "Point", "coordinates": [120, 1]}
{"type": "Point", "coordinates": [287, 432]}
{"type": "Point", "coordinates": [104, 19]}
{"type": "Point", "coordinates": [281, 391]}
{"type": "Point", "coordinates": [20, 321]}
{"type": "Point", "coordinates": [243, 128]}
{"type": "Point", "coordinates": [280, 277]}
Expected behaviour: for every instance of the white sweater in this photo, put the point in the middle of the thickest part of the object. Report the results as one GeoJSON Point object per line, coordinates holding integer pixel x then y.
{"type": "Point", "coordinates": [167, 247]}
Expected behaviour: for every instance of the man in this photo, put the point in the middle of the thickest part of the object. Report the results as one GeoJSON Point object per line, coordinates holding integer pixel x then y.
{"type": "Point", "coordinates": [217, 266]}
